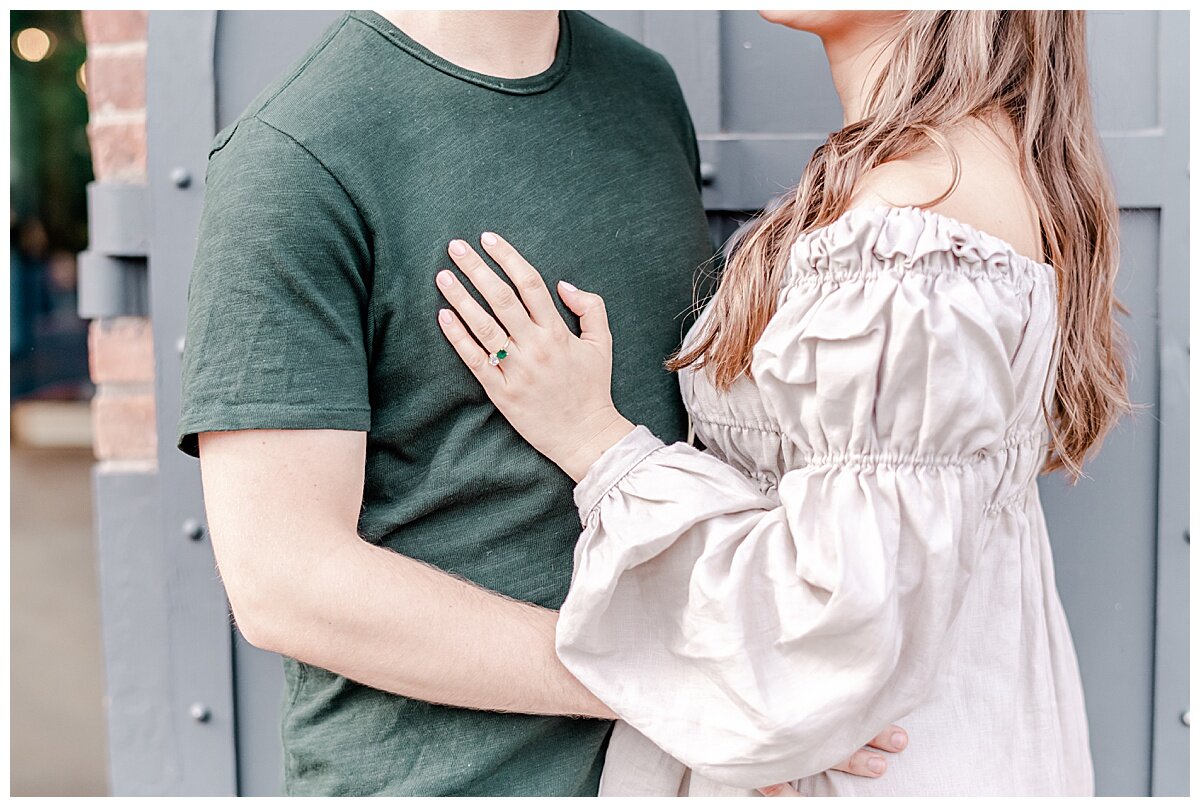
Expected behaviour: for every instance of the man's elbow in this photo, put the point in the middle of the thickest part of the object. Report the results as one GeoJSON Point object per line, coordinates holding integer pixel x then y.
{"type": "Point", "coordinates": [258, 627]}
{"type": "Point", "coordinates": [264, 603]}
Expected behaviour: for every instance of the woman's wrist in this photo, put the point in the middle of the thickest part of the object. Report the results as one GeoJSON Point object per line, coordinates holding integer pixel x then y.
{"type": "Point", "coordinates": [599, 434]}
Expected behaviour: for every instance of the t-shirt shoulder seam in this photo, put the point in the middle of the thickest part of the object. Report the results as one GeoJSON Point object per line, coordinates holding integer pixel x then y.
{"type": "Point", "coordinates": [628, 41]}
{"type": "Point", "coordinates": [372, 25]}
{"type": "Point", "coordinates": [318, 161]}
{"type": "Point", "coordinates": [581, 13]}
{"type": "Point", "coordinates": [303, 65]}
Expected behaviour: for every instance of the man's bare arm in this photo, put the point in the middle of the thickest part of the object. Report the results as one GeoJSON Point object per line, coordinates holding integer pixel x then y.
{"type": "Point", "coordinates": [283, 509]}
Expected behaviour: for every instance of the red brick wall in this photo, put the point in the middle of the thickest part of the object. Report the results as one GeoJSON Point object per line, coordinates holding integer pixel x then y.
{"type": "Point", "coordinates": [120, 350]}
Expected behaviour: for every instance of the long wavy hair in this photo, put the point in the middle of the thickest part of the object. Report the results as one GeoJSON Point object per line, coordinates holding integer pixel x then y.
{"type": "Point", "coordinates": [947, 67]}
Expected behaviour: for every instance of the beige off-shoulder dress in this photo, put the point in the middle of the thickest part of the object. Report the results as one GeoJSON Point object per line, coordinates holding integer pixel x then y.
{"type": "Point", "coordinates": [861, 543]}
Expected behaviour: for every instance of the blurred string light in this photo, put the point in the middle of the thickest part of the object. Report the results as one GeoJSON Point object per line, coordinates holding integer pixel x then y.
{"type": "Point", "coordinates": [33, 44]}
{"type": "Point", "coordinates": [81, 77]}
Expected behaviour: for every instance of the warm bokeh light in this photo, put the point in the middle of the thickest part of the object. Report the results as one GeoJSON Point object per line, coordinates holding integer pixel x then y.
{"type": "Point", "coordinates": [81, 76]}
{"type": "Point", "coordinates": [33, 44]}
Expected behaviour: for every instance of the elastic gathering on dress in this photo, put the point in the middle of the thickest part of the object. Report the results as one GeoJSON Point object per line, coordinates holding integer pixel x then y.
{"type": "Point", "coordinates": [899, 566]}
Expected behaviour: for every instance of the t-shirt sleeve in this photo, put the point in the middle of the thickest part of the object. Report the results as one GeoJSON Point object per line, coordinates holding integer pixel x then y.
{"type": "Point", "coordinates": [277, 330]}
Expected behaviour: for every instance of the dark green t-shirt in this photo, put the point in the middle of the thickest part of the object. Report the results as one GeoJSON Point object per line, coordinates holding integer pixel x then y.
{"type": "Point", "coordinates": [312, 305]}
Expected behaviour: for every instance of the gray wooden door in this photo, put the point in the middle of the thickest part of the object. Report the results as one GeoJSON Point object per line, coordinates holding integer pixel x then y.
{"type": "Point", "coordinates": [761, 99]}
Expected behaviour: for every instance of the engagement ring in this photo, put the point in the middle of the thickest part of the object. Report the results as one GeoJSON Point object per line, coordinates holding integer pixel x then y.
{"type": "Point", "coordinates": [500, 355]}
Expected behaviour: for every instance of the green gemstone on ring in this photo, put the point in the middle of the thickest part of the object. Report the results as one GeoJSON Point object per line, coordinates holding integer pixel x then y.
{"type": "Point", "coordinates": [495, 358]}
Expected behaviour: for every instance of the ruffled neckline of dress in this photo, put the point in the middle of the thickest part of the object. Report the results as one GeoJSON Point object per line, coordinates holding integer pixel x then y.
{"type": "Point", "coordinates": [865, 240]}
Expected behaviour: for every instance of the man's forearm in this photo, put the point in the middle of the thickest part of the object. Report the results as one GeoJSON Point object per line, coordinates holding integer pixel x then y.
{"type": "Point", "coordinates": [283, 506]}
{"type": "Point", "coordinates": [396, 624]}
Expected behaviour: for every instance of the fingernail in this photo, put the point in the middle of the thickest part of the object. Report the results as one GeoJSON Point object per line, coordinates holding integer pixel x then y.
{"type": "Point", "coordinates": [899, 739]}
{"type": "Point", "coordinates": [567, 285]}
{"type": "Point", "coordinates": [444, 316]}
{"type": "Point", "coordinates": [458, 247]}
{"type": "Point", "coordinates": [445, 278]}
{"type": "Point", "coordinates": [876, 764]}
{"type": "Point", "coordinates": [489, 239]}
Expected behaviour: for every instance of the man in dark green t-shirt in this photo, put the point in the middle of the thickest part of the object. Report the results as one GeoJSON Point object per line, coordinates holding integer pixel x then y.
{"type": "Point", "coordinates": [375, 520]}
{"type": "Point", "coordinates": [327, 407]}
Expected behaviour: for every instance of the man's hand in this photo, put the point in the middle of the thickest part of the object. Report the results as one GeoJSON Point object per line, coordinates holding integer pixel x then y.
{"type": "Point", "coordinates": [862, 763]}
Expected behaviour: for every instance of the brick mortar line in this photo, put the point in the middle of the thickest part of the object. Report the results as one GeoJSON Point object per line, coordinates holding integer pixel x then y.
{"type": "Point", "coordinates": [130, 48]}
{"type": "Point", "coordinates": [111, 116]}
{"type": "Point", "coordinates": [116, 466]}
{"type": "Point", "coordinates": [123, 389]}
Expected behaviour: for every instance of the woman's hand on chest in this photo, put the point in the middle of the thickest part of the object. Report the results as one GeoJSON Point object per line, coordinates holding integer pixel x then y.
{"type": "Point", "coordinates": [554, 387]}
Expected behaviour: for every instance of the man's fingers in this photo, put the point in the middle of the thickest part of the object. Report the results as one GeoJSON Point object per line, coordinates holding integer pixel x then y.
{"type": "Point", "coordinates": [499, 295]}
{"type": "Point", "coordinates": [893, 738]}
{"type": "Point", "coordinates": [864, 763]}
{"type": "Point", "coordinates": [784, 789]}
{"type": "Point", "coordinates": [525, 277]}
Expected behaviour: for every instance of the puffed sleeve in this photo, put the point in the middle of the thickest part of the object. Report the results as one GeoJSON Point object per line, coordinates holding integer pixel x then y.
{"type": "Point", "coordinates": [762, 638]}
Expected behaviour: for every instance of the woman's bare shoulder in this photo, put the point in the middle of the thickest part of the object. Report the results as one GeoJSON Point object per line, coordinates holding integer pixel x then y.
{"type": "Point", "coordinates": [990, 194]}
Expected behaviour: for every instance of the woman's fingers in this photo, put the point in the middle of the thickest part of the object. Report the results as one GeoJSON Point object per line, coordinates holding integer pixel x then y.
{"type": "Point", "coordinates": [504, 301]}
{"type": "Point", "coordinates": [864, 763]}
{"type": "Point", "coordinates": [779, 790]}
{"type": "Point", "coordinates": [525, 277]}
{"type": "Point", "coordinates": [593, 318]}
{"type": "Point", "coordinates": [489, 334]}
{"type": "Point", "coordinates": [469, 351]}
{"type": "Point", "coordinates": [893, 738]}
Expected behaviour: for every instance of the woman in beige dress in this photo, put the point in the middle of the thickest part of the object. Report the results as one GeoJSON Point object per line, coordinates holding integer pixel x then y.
{"type": "Point", "coordinates": [893, 355]}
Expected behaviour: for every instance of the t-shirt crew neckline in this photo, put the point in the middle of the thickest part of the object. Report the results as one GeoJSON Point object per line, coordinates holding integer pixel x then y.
{"type": "Point", "coordinates": [540, 82]}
